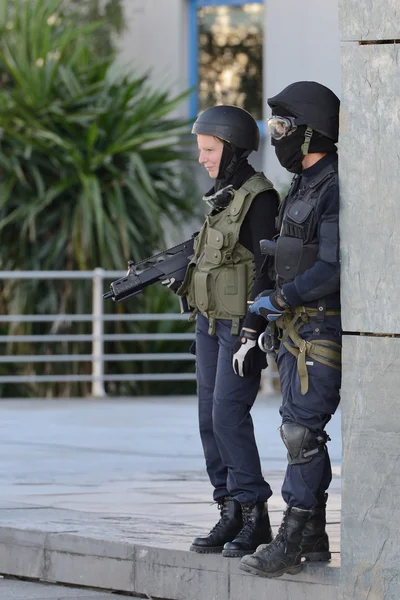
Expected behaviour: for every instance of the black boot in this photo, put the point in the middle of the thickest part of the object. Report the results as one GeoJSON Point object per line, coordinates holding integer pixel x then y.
{"type": "Point", "coordinates": [225, 530]}
{"type": "Point", "coordinates": [283, 554]}
{"type": "Point", "coordinates": [256, 530]}
{"type": "Point", "coordinates": [315, 542]}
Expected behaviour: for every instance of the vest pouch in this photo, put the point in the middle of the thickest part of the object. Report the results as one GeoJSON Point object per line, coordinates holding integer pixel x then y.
{"type": "Point", "coordinates": [288, 257]}
{"type": "Point", "coordinates": [215, 238]}
{"type": "Point", "coordinates": [184, 289]}
{"type": "Point", "coordinates": [213, 255]}
{"type": "Point", "coordinates": [293, 258]}
{"type": "Point", "coordinates": [231, 290]}
{"type": "Point", "coordinates": [298, 220]}
{"type": "Point", "coordinates": [202, 283]}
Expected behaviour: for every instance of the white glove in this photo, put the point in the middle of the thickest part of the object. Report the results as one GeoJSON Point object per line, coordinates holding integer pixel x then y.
{"type": "Point", "coordinates": [239, 362]}
{"type": "Point", "coordinates": [246, 357]}
{"type": "Point", "coordinates": [172, 284]}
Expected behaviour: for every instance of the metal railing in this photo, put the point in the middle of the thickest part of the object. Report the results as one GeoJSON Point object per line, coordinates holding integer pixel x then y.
{"type": "Point", "coordinates": [97, 338]}
{"type": "Point", "coordinates": [98, 318]}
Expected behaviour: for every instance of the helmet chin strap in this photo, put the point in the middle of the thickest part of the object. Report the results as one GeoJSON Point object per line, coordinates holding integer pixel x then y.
{"type": "Point", "coordinates": [307, 139]}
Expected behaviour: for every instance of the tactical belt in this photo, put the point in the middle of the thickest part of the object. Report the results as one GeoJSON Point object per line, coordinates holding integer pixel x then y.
{"type": "Point", "coordinates": [323, 351]}
{"type": "Point", "coordinates": [235, 328]}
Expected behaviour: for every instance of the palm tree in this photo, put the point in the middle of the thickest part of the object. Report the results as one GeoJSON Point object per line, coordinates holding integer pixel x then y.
{"type": "Point", "coordinates": [89, 158]}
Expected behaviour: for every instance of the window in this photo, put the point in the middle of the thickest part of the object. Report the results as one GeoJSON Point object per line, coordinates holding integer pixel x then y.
{"type": "Point", "coordinates": [226, 54]}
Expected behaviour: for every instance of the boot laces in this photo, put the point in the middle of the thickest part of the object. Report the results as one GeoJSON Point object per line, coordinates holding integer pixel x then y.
{"type": "Point", "coordinates": [249, 520]}
{"type": "Point", "coordinates": [281, 536]}
{"type": "Point", "coordinates": [223, 509]}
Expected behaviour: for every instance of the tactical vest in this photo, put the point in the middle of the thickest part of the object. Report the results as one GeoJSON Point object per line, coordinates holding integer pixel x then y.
{"type": "Point", "coordinates": [296, 251]}
{"type": "Point", "coordinates": [220, 277]}
{"type": "Point", "coordinates": [297, 244]}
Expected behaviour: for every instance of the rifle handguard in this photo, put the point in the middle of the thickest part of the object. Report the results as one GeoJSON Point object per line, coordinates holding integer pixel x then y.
{"type": "Point", "coordinates": [171, 263]}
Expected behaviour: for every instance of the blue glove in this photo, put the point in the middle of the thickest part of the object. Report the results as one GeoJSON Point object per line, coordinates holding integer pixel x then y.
{"type": "Point", "coordinates": [269, 304]}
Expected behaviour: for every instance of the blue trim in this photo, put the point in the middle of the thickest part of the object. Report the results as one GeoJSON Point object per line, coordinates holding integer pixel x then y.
{"type": "Point", "coordinates": [262, 128]}
{"type": "Point", "coordinates": [193, 50]}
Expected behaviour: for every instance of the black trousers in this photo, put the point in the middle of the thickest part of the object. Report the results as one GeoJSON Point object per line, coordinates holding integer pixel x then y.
{"type": "Point", "coordinates": [313, 410]}
{"type": "Point", "coordinates": [226, 425]}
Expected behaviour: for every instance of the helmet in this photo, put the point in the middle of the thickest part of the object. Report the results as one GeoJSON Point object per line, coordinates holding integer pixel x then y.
{"type": "Point", "coordinates": [313, 104]}
{"type": "Point", "coordinates": [230, 124]}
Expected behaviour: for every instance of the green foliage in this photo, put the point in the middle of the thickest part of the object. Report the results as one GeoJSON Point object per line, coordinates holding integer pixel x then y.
{"type": "Point", "coordinates": [89, 159]}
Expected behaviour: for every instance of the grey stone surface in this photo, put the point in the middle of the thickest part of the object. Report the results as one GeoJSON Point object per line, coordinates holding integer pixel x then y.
{"type": "Point", "coordinates": [136, 464]}
{"type": "Point", "coordinates": [13, 589]}
{"type": "Point", "coordinates": [111, 493]}
{"type": "Point", "coordinates": [369, 19]}
{"type": "Point", "coordinates": [164, 573]}
{"type": "Point", "coordinates": [371, 469]}
{"type": "Point", "coordinates": [370, 182]}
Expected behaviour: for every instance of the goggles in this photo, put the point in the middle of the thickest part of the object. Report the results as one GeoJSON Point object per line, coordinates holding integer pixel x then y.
{"type": "Point", "coordinates": [280, 127]}
{"type": "Point", "coordinates": [220, 199]}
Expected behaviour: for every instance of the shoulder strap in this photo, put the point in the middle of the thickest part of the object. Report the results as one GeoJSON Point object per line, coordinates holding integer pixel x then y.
{"type": "Point", "coordinates": [245, 195]}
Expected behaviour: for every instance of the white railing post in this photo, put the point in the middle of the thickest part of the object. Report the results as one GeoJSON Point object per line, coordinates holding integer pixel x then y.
{"type": "Point", "coordinates": [98, 330]}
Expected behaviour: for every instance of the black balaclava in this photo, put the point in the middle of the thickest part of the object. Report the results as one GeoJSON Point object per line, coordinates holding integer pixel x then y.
{"type": "Point", "coordinates": [232, 160]}
{"type": "Point", "coordinates": [221, 193]}
{"type": "Point", "coordinates": [288, 150]}
{"type": "Point", "coordinates": [321, 143]}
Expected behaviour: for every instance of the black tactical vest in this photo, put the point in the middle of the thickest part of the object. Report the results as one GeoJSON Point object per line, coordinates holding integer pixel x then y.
{"type": "Point", "coordinates": [297, 244]}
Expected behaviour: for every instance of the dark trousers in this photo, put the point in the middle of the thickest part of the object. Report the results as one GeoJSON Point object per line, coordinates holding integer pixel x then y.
{"type": "Point", "coordinates": [313, 410]}
{"type": "Point", "coordinates": [226, 427]}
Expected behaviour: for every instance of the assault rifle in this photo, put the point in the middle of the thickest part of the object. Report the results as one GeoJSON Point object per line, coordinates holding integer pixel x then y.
{"type": "Point", "coordinates": [170, 264]}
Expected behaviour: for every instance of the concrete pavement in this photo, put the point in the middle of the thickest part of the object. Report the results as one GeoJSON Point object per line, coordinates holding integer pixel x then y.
{"type": "Point", "coordinates": [110, 494]}
{"type": "Point", "coordinates": [12, 589]}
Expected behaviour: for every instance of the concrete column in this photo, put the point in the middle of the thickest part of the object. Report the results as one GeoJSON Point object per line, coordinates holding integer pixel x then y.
{"type": "Point", "coordinates": [370, 252]}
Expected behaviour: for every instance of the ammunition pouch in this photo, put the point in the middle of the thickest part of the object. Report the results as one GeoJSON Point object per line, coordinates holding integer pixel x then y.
{"type": "Point", "coordinates": [299, 220]}
{"type": "Point", "coordinates": [292, 258]}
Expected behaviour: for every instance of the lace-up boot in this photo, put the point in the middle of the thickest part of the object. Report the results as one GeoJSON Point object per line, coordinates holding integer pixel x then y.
{"type": "Point", "coordinates": [256, 530]}
{"type": "Point", "coordinates": [283, 554]}
{"type": "Point", "coordinates": [315, 542]}
{"type": "Point", "coordinates": [224, 531]}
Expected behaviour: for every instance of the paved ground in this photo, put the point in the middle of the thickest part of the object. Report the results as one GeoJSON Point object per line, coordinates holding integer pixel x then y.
{"type": "Point", "coordinates": [11, 589]}
{"type": "Point", "coordinates": [127, 469]}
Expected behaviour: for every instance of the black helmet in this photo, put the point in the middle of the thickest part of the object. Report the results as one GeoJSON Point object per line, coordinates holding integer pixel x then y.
{"type": "Point", "coordinates": [314, 104]}
{"type": "Point", "coordinates": [230, 124]}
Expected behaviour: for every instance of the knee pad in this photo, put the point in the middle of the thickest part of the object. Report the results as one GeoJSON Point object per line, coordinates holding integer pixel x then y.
{"type": "Point", "coordinates": [302, 443]}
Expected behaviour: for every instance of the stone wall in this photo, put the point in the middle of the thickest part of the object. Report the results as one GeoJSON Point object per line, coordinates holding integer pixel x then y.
{"type": "Point", "coordinates": [370, 252]}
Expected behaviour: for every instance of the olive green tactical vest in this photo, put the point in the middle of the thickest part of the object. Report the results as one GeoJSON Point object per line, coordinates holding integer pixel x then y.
{"type": "Point", "coordinates": [220, 277]}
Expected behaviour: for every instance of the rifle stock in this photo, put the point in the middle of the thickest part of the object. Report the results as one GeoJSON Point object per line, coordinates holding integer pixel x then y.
{"type": "Point", "coordinates": [164, 265]}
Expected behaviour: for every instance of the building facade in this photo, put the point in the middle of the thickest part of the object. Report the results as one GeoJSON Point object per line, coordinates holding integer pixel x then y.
{"type": "Point", "coordinates": [233, 52]}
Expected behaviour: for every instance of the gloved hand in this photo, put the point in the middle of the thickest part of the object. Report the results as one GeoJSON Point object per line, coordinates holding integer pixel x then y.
{"type": "Point", "coordinates": [247, 359]}
{"type": "Point", "coordinates": [270, 304]}
{"type": "Point", "coordinates": [172, 284]}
